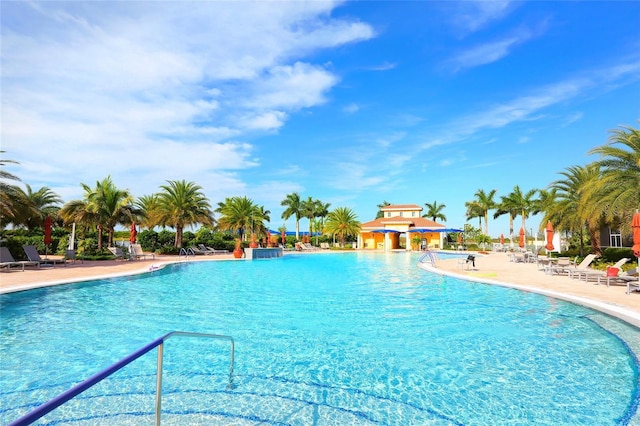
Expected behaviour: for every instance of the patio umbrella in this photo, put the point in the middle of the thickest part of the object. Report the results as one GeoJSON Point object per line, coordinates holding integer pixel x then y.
{"type": "Point", "coordinates": [133, 233]}
{"type": "Point", "coordinates": [549, 245]}
{"type": "Point", "coordinates": [521, 238]}
{"type": "Point", "coordinates": [47, 234]}
{"type": "Point", "coordinates": [460, 238]}
{"type": "Point", "coordinates": [635, 224]}
{"type": "Point", "coordinates": [284, 238]}
{"type": "Point", "coordinates": [502, 239]}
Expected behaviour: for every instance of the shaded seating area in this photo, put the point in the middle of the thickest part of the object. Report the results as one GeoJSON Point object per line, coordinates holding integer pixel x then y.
{"type": "Point", "coordinates": [8, 261]}
{"type": "Point", "coordinates": [34, 256]}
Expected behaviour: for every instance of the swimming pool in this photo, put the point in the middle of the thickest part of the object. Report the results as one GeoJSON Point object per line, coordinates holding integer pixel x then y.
{"type": "Point", "coordinates": [355, 338]}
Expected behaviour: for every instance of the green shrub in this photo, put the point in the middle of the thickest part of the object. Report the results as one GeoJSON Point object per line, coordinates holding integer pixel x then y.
{"type": "Point", "coordinates": [613, 254]}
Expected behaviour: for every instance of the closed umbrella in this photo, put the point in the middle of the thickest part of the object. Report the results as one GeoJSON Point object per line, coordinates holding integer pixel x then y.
{"type": "Point", "coordinates": [635, 224]}
{"type": "Point", "coordinates": [284, 238]}
{"type": "Point", "coordinates": [502, 239]}
{"type": "Point", "coordinates": [133, 234]}
{"type": "Point", "coordinates": [47, 234]}
{"type": "Point", "coordinates": [549, 245]}
{"type": "Point", "coordinates": [521, 238]}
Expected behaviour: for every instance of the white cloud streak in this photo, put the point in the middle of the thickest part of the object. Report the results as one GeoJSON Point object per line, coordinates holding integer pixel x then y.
{"type": "Point", "coordinates": [167, 89]}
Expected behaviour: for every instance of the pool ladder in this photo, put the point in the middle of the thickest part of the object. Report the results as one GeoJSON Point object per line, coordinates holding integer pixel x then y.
{"type": "Point", "coordinates": [429, 257]}
{"type": "Point", "coordinates": [68, 395]}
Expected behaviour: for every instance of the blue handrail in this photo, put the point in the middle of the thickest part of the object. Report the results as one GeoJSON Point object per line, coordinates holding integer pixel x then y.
{"type": "Point", "coordinates": [68, 395]}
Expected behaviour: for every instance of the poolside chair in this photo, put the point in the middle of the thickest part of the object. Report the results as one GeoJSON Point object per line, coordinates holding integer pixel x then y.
{"type": "Point", "coordinates": [611, 274]}
{"type": "Point", "coordinates": [34, 256]}
{"type": "Point", "coordinates": [70, 255]}
{"type": "Point", "coordinates": [136, 252]}
{"type": "Point", "coordinates": [562, 265]}
{"type": "Point", "coordinates": [583, 267]}
{"type": "Point", "coordinates": [7, 260]}
{"type": "Point", "coordinates": [118, 253]}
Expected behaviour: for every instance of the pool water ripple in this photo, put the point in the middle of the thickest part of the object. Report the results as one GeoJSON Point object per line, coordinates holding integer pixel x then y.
{"type": "Point", "coordinates": [363, 338]}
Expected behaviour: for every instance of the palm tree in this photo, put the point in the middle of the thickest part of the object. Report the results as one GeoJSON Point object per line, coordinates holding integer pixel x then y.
{"type": "Point", "coordinates": [181, 204]}
{"type": "Point", "coordinates": [481, 205]}
{"type": "Point", "coordinates": [342, 222]}
{"type": "Point", "coordinates": [570, 210]}
{"type": "Point", "coordinates": [434, 211]}
{"type": "Point", "coordinates": [616, 195]}
{"type": "Point", "coordinates": [321, 212]}
{"type": "Point", "coordinates": [36, 206]}
{"type": "Point", "coordinates": [308, 210]}
{"type": "Point", "coordinates": [294, 208]}
{"type": "Point", "coordinates": [509, 205]}
{"type": "Point", "coordinates": [240, 214]}
{"type": "Point", "coordinates": [380, 213]}
{"type": "Point", "coordinates": [8, 193]}
{"type": "Point", "coordinates": [147, 206]}
{"type": "Point", "coordinates": [104, 207]}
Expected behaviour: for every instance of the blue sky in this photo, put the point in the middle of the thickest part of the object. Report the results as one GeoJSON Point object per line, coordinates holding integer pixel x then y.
{"type": "Point", "coordinates": [351, 103]}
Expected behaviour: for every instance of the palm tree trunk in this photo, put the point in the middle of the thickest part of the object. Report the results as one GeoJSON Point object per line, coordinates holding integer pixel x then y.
{"type": "Point", "coordinates": [99, 237]}
{"type": "Point", "coordinates": [178, 236]}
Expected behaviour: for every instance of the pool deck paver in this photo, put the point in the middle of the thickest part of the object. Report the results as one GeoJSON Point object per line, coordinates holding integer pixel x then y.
{"type": "Point", "coordinates": [492, 268]}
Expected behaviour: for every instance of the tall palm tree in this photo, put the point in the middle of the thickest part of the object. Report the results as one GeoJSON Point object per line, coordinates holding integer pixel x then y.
{"type": "Point", "coordinates": [482, 205]}
{"type": "Point", "coordinates": [616, 193]}
{"type": "Point", "coordinates": [342, 222]}
{"type": "Point", "coordinates": [104, 207]}
{"type": "Point", "coordinates": [321, 212]}
{"type": "Point", "coordinates": [294, 208]}
{"type": "Point", "coordinates": [434, 211]}
{"type": "Point", "coordinates": [308, 210]}
{"type": "Point", "coordinates": [571, 211]}
{"type": "Point", "coordinates": [509, 205]}
{"type": "Point", "coordinates": [241, 214]}
{"type": "Point", "coordinates": [181, 204]}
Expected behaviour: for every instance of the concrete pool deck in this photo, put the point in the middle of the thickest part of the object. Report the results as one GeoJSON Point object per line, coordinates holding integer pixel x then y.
{"type": "Point", "coordinates": [492, 268]}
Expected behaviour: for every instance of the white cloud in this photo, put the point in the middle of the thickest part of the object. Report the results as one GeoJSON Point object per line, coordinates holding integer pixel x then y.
{"type": "Point", "coordinates": [351, 108]}
{"type": "Point", "coordinates": [163, 92]}
{"type": "Point", "coordinates": [471, 16]}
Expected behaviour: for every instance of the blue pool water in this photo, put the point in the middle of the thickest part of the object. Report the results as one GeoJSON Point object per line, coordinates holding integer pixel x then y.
{"type": "Point", "coordinates": [357, 338]}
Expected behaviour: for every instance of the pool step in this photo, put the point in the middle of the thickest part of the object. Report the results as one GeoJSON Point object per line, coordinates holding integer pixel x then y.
{"type": "Point", "coordinates": [253, 400]}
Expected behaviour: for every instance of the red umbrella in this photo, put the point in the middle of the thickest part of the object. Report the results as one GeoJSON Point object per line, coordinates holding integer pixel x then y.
{"type": "Point", "coordinates": [133, 233]}
{"type": "Point", "coordinates": [521, 238]}
{"type": "Point", "coordinates": [635, 224]}
{"type": "Point", "coordinates": [549, 245]}
{"type": "Point", "coordinates": [284, 238]}
{"type": "Point", "coordinates": [460, 238]}
{"type": "Point", "coordinates": [47, 230]}
{"type": "Point", "coordinates": [502, 239]}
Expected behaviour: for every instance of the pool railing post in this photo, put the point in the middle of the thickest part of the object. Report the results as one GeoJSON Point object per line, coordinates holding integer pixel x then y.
{"type": "Point", "coordinates": [159, 384]}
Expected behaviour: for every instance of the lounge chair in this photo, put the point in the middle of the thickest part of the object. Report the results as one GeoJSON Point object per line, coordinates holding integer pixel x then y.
{"type": "Point", "coordinates": [7, 260]}
{"type": "Point", "coordinates": [34, 256]}
{"type": "Point", "coordinates": [562, 265]}
{"type": "Point", "coordinates": [70, 255]}
{"type": "Point", "coordinates": [583, 267]}
{"type": "Point", "coordinates": [136, 252]}
{"type": "Point", "coordinates": [612, 273]}
{"type": "Point", "coordinates": [118, 253]}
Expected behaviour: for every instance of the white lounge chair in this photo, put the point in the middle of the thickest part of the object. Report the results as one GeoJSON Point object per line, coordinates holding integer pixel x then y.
{"type": "Point", "coordinates": [7, 260]}
{"type": "Point", "coordinates": [603, 274]}
{"type": "Point", "coordinates": [34, 256]}
{"type": "Point", "coordinates": [136, 252]}
{"type": "Point", "coordinates": [583, 267]}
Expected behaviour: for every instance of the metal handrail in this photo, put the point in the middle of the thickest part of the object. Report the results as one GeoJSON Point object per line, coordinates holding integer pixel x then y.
{"type": "Point", "coordinates": [66, 396]}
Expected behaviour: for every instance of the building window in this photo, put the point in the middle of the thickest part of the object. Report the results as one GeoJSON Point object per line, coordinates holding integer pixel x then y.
{"type": "Point", "coordinates": [615, 238]}
{"type": "Point", "coordinates": [413, 214]}
{"type": "Point", "coordinates": [388, 214]}
{"type": "Point", "coordinates": [401, 214]}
